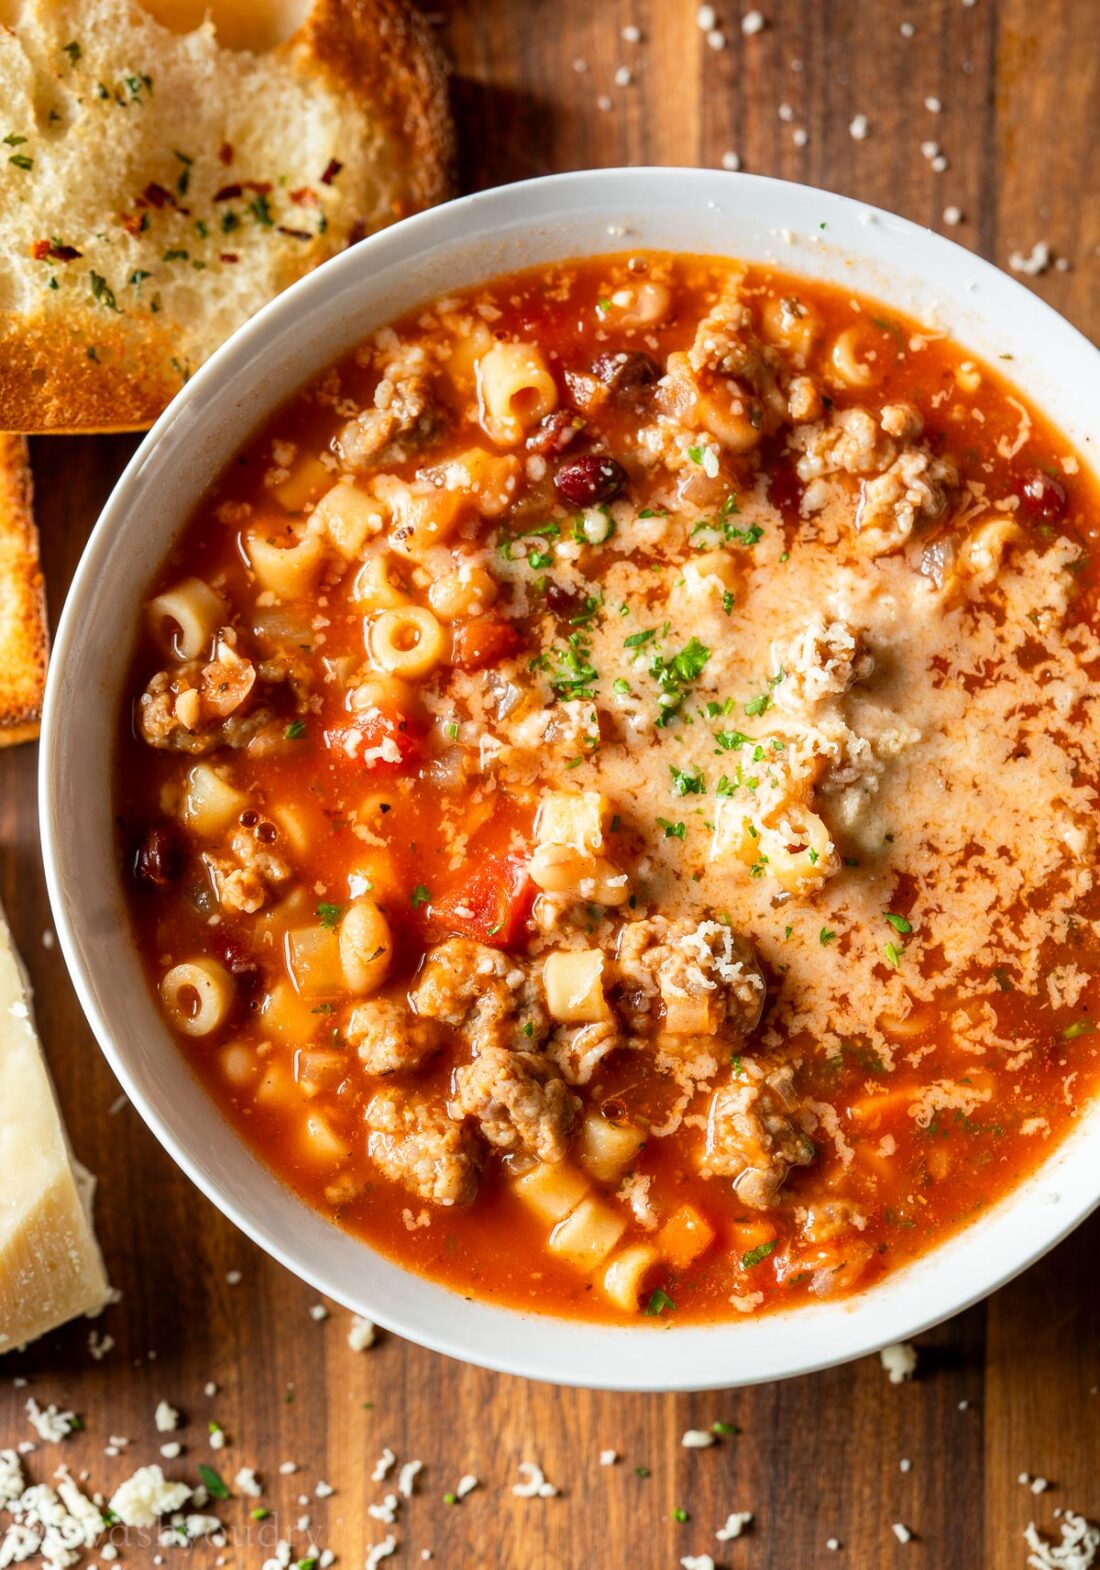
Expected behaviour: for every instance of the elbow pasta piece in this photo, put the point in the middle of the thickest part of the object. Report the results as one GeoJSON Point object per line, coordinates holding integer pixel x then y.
{"type": "Point", "coordinates": [851, 370]}
{"type": "Point", "coordinates": [552, 1189]}
{"type": "Point", "coordinates": [712, 572]}
{"type": "Point", "coordinates": [573, 982]}
{"type": "Point", "coordinates": [381, 691]}
{"type": "Point", "coordinates": [198, 996]}
{"type": "Point", "coordinates": [210, 802]}
{"type": "Point", "coordinates": [366, 947]}
{"type": "Point", "coordinates": [313, 961]}
{"type": "Point", "coordinates": [185, 619]}
{"type": "Point", "coordinates": [645, 304]}
{"type": "Point", "coordinates": [306, 480]}
{"type": "Point", "coordinates": [287, 571]}
{"type": "Point", "coordinates": [625, 1273]}
{"type": "Point", "coordinates": [349, 517]}
{"type": "Point", "coordinates": [983, 550]}
{"type": "Point", "coordinates": [422, 514]}
{"type": "Point", "coordinates": [379, 585]}
{"type": "Point", "coordinates": [587, 1236]}
{"type": "Point", "coordinates": [793, 324]}
{"type": "Point", "coordinates": [607, 1149]}
{"type": "Point", "coordinates": [408, 643]}
{"type": "Point", "coordinates": [515, 391]}
{"type": "Point", "coordinates": [465, 591]}
{"type": "Point", "coordinates": [719, 406]}
{"type": "Point", "coordinates": [784, 840]}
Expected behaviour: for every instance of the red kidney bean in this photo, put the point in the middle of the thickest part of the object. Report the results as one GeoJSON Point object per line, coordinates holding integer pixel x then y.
{"type": "Point", "coordinates": [588, 481]}
{"type": "Point", "coordinates": [160, 857]}
{"type": "Point", "coordinates": [625, 370]}
{"type": "Point", "coordinates": [555, 432]}
{"type": "Point", "coordinates": [1042, 497]}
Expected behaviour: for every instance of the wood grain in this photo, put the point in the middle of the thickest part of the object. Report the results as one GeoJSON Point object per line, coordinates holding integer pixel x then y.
{"type": "Point", "coordinates": [1011, 1385]}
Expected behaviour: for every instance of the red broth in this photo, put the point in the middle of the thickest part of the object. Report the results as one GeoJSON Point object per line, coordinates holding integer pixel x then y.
{"type": "Point", "coordinates": [613, 798]}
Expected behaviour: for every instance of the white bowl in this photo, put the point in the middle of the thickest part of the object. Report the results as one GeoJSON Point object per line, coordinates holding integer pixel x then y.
{"type": "Point", "coordinates": [296, 336]}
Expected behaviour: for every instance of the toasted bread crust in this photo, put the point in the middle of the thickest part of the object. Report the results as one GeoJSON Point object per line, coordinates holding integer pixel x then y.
{"type": "Point", "coordinates": [55, 380]}
{"type": "Point", "coordinates": [384, 51]}
{"type": "Point", "coordinates": [24, 636]}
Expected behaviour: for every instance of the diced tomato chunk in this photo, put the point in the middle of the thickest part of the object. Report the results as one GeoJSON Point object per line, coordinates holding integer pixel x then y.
{"type": "Point", "coordinates": [378, 740]}
{"type": "Point", "coordinates": [491, 905]}
{"type": "Point", "coordinates": [483, 641]}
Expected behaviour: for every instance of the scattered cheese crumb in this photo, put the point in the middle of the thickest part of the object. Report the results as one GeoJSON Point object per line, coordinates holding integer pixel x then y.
{"type": "Point", "coordinates": [933, 105]}
{"type": "Point", "coordinates": [858, 127]}
{"type": "Point", "coordinates": [233, 1278]}
{"type": "Point", "coordinates": [697, 1439]}
{"type": "Point", "coordinates": [623, 76]}
{"type": "Point", "coordinates": [534, 1485]}
{"type": "Point", "coordinates": [731, 161]}
{"type": "Point", "coordinates": [172, 1450]}
{"type": "Point", "coordinates": [362, 1333]}
{"type": "Point", "coordinates": [608, 1457]}
{"type": "Point", "coordinates": [465, 1485]}
{"type": "Point", "coordinates": [318, 1312]}
{"type": "Point", "coordinates": [1037, 260]}
{"type": "Point", "coordinates": [407, 1477]}
{"type": "Point", "coordinates": [323, 1490]}
{"type": "Point", "coordinates": [901, 1532]}
{"type": "Point", "coordinates": [1077, 1550]}
{"type": "Point", "coordinates": [899, 1361]}
{"type": "Point", "coordinates": [905, 1465]}
{"type": "Point", "coordinates": [383, 1465]}
{"type": "Point", "coordinates": [631, 34]}
{"type": "Point", "coordinates": [706, 18]}
{"type": "Point", "coordinates": [697, 1562]}
{"type": "Point", "coordinates": [736, 1522]}
{"type": "Point", "coordinates": [752, 22]}
{"type": "Point", "coordinates": [833, 1544]}
{"type": "Point", "coordinates": [50, 1425]}
{"type": "Point", "coordinates": [952, 216]}
{"type": "Point", "coordinates": [166, 1418]}
{"type": "Point", "coordinates": [145, 1496]}
{"type": "Point", "coordinates": [210, 1388]}
{"type": "Point", "coordinates": [99, 1345]}
{"type": "Point", "coordinates": [246, 1482]}
{"type": "Point", "coordinates": [380, 1551]}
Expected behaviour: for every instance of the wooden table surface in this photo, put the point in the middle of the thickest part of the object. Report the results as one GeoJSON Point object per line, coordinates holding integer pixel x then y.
{"type": "Point", "coordinates": [1010, 1386]}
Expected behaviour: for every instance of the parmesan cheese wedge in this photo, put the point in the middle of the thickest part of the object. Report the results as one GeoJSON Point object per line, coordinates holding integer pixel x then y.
{"type": "Point", "coordinates": [50, 1265]}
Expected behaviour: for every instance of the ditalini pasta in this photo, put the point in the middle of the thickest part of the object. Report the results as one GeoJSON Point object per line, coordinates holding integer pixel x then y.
{"type": "Point", "coordinates": [609, 793]}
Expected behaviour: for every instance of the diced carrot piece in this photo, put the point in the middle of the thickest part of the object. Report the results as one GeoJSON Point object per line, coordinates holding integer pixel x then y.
{"type": "Point", "coordinates": [748, 1235]}
{"type": "Point", "coordinates": [685, 1235]}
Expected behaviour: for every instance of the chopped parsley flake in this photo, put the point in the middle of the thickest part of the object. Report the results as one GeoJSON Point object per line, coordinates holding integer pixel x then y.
{"type": "Point", "coordinates": [295, 730]}
{"type": "Point", "coordinates": [673, 831]}
{"type": "Point", "coordinates": [898, 923]}
{"type": "Point", "coordinates": [757, 1255]}
{"type": "Point", "coordinates": [1081, 1027]}
{"type": "Point", "coordinates": [687, 782]}
{"type": "Point", "coordinates": [893, 955]}
{"type": "Point", "coordinates": [212, 1482]}
{"type": "Point", "coordinates": [420, 896]}
{"type": "Point", "coordinates": [659, 1300]}
{"type": "Point", "coordinates": [825, 937]}
{"type": "Point", "coordinates": [328, 915]}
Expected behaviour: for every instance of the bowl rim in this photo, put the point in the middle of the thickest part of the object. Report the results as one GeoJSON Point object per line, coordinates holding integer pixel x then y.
{"type": "Point", "coordinates": [517, 207]}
